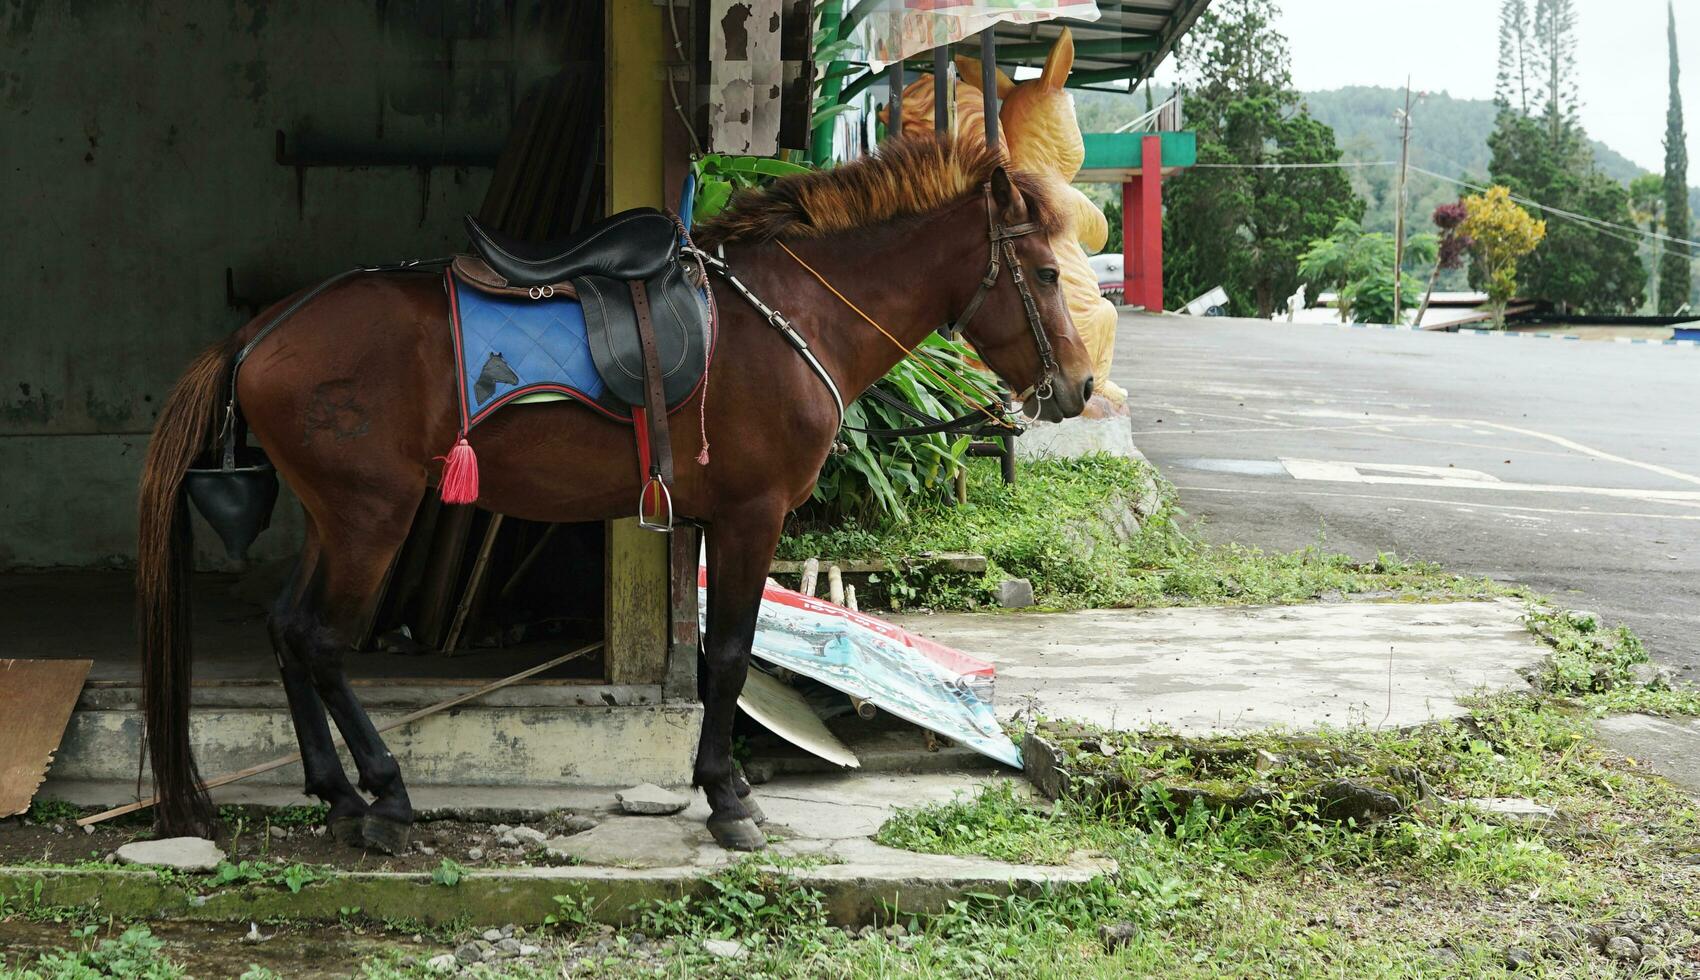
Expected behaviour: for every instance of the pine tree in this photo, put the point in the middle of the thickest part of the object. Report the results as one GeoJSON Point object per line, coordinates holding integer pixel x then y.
{"type": "Point", "coordinates": [1511, 87]}
{"type": "Point", "coordinates": [1674, 268]}
{"type": "Point", "coordinates": [1555, 43]}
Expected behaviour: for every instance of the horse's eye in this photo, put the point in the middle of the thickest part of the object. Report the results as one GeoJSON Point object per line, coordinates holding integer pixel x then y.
{"type": "Point", "coordinates": [1048, 275]}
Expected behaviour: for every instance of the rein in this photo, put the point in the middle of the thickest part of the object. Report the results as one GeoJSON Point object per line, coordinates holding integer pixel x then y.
{"type": "Point", "coordinates": [998, 235]}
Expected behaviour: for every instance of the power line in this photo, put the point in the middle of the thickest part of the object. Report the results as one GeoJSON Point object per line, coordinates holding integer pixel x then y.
{"type": "Point", "coordinates": [1609, 228]}
{"type": "Point", "coordinates": [1338, 165]}
{"type": "Point", "coordinates": [1565, 214]}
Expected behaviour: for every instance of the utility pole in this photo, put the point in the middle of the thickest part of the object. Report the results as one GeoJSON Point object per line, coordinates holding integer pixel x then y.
{"type": "Point", "coordinates": [1399, 219]}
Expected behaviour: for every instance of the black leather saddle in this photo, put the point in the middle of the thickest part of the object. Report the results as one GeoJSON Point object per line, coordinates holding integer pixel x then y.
{"type": "Point", "coordinates": [600, 265]}
{"type": "Point", "coordinates": [631, 245]}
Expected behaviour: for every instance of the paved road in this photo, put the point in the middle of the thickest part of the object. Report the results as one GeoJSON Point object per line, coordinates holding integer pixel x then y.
{"type": "Point", "coordinates": [1571, 466]}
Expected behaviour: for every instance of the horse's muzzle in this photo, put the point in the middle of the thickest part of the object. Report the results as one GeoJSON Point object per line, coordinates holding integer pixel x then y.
{"type": "Point", "coordinates": [1067, 400]}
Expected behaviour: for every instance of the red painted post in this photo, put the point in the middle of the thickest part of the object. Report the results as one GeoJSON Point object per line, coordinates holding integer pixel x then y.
{"type": "Point", "coordinates": [1151, 221]}
{"type": "Point", "coordinates": [1131, 259]}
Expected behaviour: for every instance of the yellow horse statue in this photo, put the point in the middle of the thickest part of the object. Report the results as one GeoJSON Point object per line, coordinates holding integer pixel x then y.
{"type": "Point", "coordinates": [1042, 136]}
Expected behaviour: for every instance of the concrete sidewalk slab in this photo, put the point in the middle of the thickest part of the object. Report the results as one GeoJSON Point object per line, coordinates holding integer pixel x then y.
{"type": "Point", "coordinates": [1672, 746]}
{"type": "Point", "coordinates": [1202, 670]}
{"type": "Point", "coordinates": [625, 860]}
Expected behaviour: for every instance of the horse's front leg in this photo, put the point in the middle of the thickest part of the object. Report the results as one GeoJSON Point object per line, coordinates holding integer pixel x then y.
{"type": "Point", "coordinates": [740, 551]}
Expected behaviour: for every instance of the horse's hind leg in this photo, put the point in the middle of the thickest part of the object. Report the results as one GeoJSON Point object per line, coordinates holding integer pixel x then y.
{"type": "Point", "coordinates": [355, 553]}
{"type": "Point", "coordinates": [325, 778]}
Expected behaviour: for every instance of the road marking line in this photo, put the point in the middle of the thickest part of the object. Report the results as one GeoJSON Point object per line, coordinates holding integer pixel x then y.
{"type": "Point", "coordinates": [1451, 478]}
{"type": "Point", "coordinates": [1443, 503]}
{"type": "Point", "coordinates": [1570, 444]}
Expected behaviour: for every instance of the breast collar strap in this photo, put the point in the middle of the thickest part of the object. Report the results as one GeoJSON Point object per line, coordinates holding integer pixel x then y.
{"type": "Point", "coordinates": [775, 319]}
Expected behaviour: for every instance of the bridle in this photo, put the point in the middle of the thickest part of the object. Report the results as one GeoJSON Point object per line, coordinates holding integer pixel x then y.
{"type": "Point", "coordinates": [1005, 236]}
{"type": "Point", "coordinates": [998, 235]}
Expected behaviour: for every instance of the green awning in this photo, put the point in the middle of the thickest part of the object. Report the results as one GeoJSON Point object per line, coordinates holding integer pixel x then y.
{"type": "Point", "coordinates": [1124, 45]}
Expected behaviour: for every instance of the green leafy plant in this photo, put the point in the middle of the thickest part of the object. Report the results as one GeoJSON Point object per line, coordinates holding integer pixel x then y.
{"type": "Point", "coordinates": [572, 911]}
{"type": "Point", "coordinates": [448, 873]}
{"type": "Point", "coordinates": [45, 811]}
{"type": "Point", "coordinates": [1358, 265]}
{"type": "Point", "coordinates": [137, 954]}
{"type": "Point", "coordinates": [304, 815]}
{"type": "Point", "coordinates": [293, 877]}
{"type": "Point", "coordinates": [720, 175]}
{"type": "Point", "coordinates": [749, 897]}
{"type": "Point", "coordinates": [878, 478]}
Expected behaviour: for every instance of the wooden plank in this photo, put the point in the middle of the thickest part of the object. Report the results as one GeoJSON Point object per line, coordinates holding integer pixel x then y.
{"type": "Point", "coordinates": [686, 637]}
{"type": "Point", "coordinates": [637, 622]}
{"type": "Point", "coordinates": [36, 698]}
{"type": "Point", "coordinates": [954, 561]}
{"type": "Point", "coordinates": [474, 584]}
{"type": "Point", "coordinates": [635, 82]}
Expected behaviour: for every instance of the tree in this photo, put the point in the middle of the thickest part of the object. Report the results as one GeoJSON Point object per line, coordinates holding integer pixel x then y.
{"type": "Point", "coordinates": [1674, 270]}
{"type": "Point", "coordinates": [1555, 45]}
{"type": "Point", "coordinates": [1581, 267]}
{"type": "Point", "coordinates": [1453, 246]}
{"type": "Point", "coordinates": [1358, 266]}
{"type": "Point", "coordinates": [1501, 233]}
{"type": "Point", "coordinates": [1646, 206]}
{"type": "Point", "coordinates": [1511, 86]}
{"type": "Point", "coordinates": [1243, 227]}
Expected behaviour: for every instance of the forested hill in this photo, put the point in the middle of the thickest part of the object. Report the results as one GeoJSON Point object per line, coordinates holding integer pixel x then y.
{"type": "Point", "coordinates": [1448, 136]}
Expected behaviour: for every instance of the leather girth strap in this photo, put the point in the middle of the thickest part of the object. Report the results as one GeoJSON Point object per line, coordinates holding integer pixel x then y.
{"type": "Point", "coordinates": [655, 503]}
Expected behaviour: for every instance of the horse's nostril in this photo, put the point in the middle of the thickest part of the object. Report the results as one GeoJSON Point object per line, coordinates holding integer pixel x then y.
{"type": "Point", "coordinates": [1086, 390]}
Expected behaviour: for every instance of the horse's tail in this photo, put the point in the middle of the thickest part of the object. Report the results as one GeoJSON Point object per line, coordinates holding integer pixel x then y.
{"type": "Point", "coordinates": [164, 552]}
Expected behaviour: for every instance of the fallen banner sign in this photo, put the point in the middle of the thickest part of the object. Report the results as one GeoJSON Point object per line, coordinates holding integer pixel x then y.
{"type": "Point", "coordinates": [916, 679]}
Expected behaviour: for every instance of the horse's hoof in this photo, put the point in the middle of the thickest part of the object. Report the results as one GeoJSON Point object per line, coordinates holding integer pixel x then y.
{"type": "Point", "coordinates": [754, 809]}
{"type": "Point", "coordinates": [739, 834]}
{"type": "Point", "coordinates": [347, 830]}
{"type": "Point", "coordinates": [385, 834]}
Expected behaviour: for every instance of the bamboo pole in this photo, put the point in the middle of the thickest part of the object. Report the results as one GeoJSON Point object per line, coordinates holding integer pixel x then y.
{"type": "Point", "coordinates": [337, 740]}
{"type": "Point", "coordinates": [835, 585]}
{"type": "Point", "coordinates": [811, 577]}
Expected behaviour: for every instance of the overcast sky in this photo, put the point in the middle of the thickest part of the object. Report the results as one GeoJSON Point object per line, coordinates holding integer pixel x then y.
{"type": "Point", "coordinates": [1453, 45]}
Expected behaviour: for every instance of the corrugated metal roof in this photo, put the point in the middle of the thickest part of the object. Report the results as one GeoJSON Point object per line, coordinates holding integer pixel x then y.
{"type": "Point", "coordinates": [1127, 42]}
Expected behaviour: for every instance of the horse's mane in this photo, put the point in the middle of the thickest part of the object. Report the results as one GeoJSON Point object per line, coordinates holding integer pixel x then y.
{"type": "Point", "coordinates": [906, 177]}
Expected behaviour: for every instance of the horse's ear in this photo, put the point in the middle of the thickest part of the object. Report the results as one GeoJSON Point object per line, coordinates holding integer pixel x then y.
{"type": "Point", "coordinates": [1008, 197]}
{"type": "Point", "coordinates": [1059, 63]}
{"type": "Point", "coordinates": [968, 71]}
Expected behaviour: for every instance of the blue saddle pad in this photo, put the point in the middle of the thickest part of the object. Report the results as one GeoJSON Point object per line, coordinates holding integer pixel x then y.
{"type": "Point", "coordinates": [507, 348]}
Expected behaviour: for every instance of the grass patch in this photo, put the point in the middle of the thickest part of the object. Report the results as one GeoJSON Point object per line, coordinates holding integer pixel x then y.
{"type": "Point", "coordinates": [1096, 532]}
{"type": "Point", "coordinates": [1606, 670]}
{"type": "Point", "coordinates": [1280, 887]}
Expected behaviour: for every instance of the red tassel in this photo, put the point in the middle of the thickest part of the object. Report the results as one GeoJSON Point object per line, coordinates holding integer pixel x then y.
{"type": "Point", "coordinates": [460, 474]}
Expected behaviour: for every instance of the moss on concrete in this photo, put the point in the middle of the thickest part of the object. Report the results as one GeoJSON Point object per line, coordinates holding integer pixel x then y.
{"type": "Point", "coordinates": [612, 896]}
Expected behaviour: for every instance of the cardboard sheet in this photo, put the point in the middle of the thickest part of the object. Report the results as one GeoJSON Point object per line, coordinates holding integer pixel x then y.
{"type": "Point", "coordinates": [914, 678]}
{"type": "Point", "coordinates": [36, 698]}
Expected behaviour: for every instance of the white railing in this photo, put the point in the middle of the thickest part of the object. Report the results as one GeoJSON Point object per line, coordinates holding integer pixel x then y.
{"type": "Point", "coordinates": [1165, 118]}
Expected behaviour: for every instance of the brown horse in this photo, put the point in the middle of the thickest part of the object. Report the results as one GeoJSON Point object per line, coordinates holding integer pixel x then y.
{"type": "Point", "coordinates": [354, 398]}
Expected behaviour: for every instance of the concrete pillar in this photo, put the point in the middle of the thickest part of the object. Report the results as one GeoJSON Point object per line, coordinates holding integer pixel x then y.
{"type": "Point", "coordinates": [1142, 228]}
